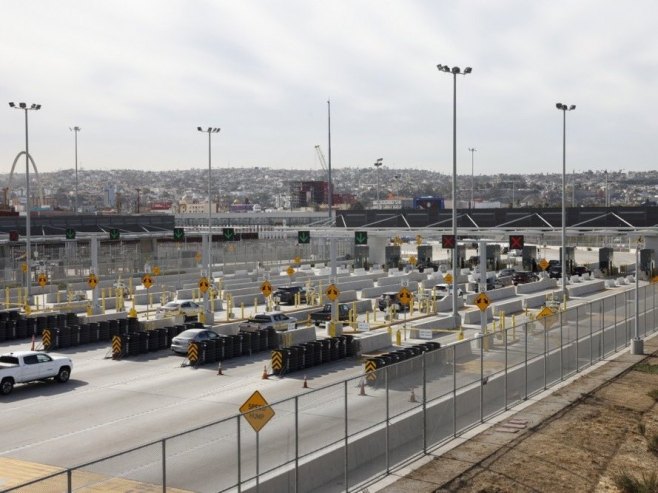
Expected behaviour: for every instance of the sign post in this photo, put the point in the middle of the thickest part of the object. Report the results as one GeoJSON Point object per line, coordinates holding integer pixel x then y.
{"type": "Point", "coordinates": [257, 412]}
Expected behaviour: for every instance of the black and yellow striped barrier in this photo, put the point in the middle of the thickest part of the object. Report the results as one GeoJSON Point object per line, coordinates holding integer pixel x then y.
{"type": "Point", "coordinates": [371, 368]}
{"type": "Point", "coordinates": [193, 353]}
{"type": "Point", "coordinates": [116, 347]}
{"type": "Point", "coordinates": [277, 361]}
{"type": "Point", "coordinates": [47, 339]}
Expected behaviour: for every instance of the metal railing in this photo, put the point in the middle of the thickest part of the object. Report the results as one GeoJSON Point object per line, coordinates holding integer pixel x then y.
{"type": "Point", "coordinates": [345, 436]}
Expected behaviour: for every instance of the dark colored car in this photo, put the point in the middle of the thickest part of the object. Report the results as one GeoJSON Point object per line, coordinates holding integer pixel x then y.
{"type": "Point", "coordinates": [324, 315]}
{"type": "Point", "coordinates": [421, 265]}
{"type": "Point", "coordinates": [287, 294]}
{"type": "Point", "coordinates": [506, 273]}
{"type": "Point", "coordinates": [524, 277]}
{"type": "Point", "coordinates": [580, 270]}
{"type": "Point", "coordinates": [391, 299]}
{"type": "Point", "coordinates": [555, 271]}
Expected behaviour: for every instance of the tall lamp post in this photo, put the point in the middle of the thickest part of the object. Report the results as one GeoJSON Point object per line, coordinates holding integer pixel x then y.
{"type": "Point", "coordinates": [637, 344]}
{"type": "Point", "coordinates": [206, 298]}
{"type": "Point", "coordinates": [472, 149]}
{"type": "Point", "coordinates": [564, 108]}
{"type": "Point", "coordinates": [454, 71]}
{"type": "Point", "coordinates": [378, 164]}
{"type": "Point", "coordinates": [28, 253]}
{"type": "Point", "coordinates": [76, 130]}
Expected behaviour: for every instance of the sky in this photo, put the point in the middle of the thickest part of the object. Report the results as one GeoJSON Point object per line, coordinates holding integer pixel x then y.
{"type": "Point", "coordinates": [139, 77]}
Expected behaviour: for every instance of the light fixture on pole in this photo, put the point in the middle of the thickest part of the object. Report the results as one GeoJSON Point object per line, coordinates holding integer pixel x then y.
{"type": "Point", "coordinates": [28, 253]}
{"type": "Point", "coordinates": [378, 164]}
{"type": "Point", "coordinates": [76, 130]}
{"type": "Point", "coordinates": [206, 300]}
{"type": "Point", "coordinates": [472, 149]}
{"type": "Point", "coordinates": [564, 108]}
{"type": "Point", "coordinates": [454, 71]}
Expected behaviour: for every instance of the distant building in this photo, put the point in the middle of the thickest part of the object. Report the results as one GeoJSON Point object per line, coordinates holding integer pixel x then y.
{"type": "Point", "coordinates": [398, 203]}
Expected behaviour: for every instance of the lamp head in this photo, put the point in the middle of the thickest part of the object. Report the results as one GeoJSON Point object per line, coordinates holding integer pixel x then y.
{"type": "Point", "coordinates": [199, 129]}
{"type": "Point", "coordinates": [455, 70]}
{"type": "Point", "coordinates": [559, 106]}
{"type": "Point", "coordinates": [22, 105]}
{"type": "Point", "coordinates": [572, 107]}
{"type": "Point", "coordinates": [12, 105]}
{"type": "Point", "coordinates": [467, 70]}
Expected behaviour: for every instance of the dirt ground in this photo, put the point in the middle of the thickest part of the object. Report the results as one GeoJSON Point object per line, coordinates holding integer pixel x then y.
{"type": "Point", "coordinates": [580, 449]}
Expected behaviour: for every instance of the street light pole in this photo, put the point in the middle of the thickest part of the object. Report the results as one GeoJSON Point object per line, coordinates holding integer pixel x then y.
{"type": "Point", "coordinates": [564, 108]}
{"type": "Point", "coordinates": [206, 295]}
{"type": "Point", "coordinates": [76, 130]}
{"type": "Point", "coordinates": [472, 149]}
{"type": "Point", "coordinates": [28, 251]}
{"type": "Point", "coordinates": [378, 164]}
{"type": "Point", "coordinates": [454, 71]}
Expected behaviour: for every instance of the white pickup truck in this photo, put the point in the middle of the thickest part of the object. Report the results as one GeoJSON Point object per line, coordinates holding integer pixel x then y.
{"type": "Point", "coordinates": [28, 366]}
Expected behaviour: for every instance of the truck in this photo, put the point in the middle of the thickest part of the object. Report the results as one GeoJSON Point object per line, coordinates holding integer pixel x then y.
{"type": "Point", "coordinates": [277, 320]}
{"type": "Point", "coordinates": [29, 366]}
{"type": "Point", "coordinates": [324, 315]}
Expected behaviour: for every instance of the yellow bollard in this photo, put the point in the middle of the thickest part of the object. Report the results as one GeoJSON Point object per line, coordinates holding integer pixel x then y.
{"type": "Point", "coordinates": [513, 327]}
{"type": "Point", "coordinates": [7, 298]}
{"type": "Point", "coordinates": [332, 329]}
{"type": "Point", "coordinates": [89, 310]}
{"type": "Point", "coordinates": [58, 296]}
{"type": "Point", "coordinates": [202, 317]}
{"type": "Point", "coordinates": [389, 330]}
{"type": "Point", "coordinates": [460, 334]}
{"type": "Point", "coordinates": [27, 309]}
{"type": "Point", "coordinates": [398, 338]}
{"type": "Point", "coordinates": [255, 304]}
{"type": "Point", "coordinates": [102, 305]}
{"type": "Point", "coordinates": [411, 306]}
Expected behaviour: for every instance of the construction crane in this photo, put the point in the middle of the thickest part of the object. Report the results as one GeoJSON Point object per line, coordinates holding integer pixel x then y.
{"type": "Point", "coordinates": [323, 162]}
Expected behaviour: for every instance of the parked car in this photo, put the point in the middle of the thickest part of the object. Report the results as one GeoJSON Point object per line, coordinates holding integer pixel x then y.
{"type": "Point", "coordinates": [287, 294]}
{"type": "Point", "coordinates": [524, 277]}
{"type": "Point", "coordinates": [324, 315]}
{"type": "Point", "coordinates": [421, 265]}
{"type": "Point", "coordinates": [555, 271]}
{"type": "Point", "coordinates": [181, 343]}
{"type": "Point", "coordinates": [444, 290]}
{"type": "Point", "coordinates": [28, 366]}
{"type": "Point", "coordinates": [391, 299]}
{"type": "Point", "coordinates": [186, 308]}
{"type": "Point", "coordinates": [580, 270]}
{"type": "Point", "coordinates": [276, 320]}
{"type": "Point", "coordinates": [505, 273]}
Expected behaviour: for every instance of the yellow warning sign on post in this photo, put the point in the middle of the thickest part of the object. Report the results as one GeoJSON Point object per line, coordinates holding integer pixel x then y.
{"type": "Point", "coordinates": [147, 281]}
{"type": "Point", "coordinates": [543, 264]}
{"type": "Point", "coordinates": [297, 260]}
{"type": "Point", "coordinates": [92, 281]}
{"type": "Point", "coordinates": [156, 270]}
{"type": "Point", "coordinates": [545, 312]}
{"type": "Point", "coordinates": [290, 271]}
{"type": "Point", "coordinates": [332, 292]}
{"type": "Point", "coordinates": [277, 361]}
{"type": "Point", "coordinates": [448, 278]}
{"type": "Point", "coordinates": [256, 411]}
{"type": "Point", "coordinates": [203, 285]}
{"type": "Point", "coordinates": [24, 267]}
{"type": "Point", "coordinates": [412, 260]}
{"type": "Point", "coordinates": [266, 288]}
{"type": "Point", "coordinates": [405, 296]}
{"type": "Point", "coordinates": [482, 301]}
{"type": "Point", "coordinates": [42, 279]}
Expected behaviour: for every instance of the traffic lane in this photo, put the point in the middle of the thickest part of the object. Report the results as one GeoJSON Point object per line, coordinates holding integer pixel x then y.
{"type": "Point", "coordinates": [129, 409]}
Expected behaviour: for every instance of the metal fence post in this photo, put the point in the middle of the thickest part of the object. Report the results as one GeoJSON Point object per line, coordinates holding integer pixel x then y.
{"type": "Point", "coordinates": [424, 402]}
{"type": "Point", "coordinates": [296, 444]}
{"type": "Point", "coordinates": [237, 419]}
{"type": "Point", "coordinates": [164, 465]}
{"type": "Point", "coordinates": [454, 391]}
{"type": "Point", "coordinates": [346, 442]}
{"type": "Point", "coordinates": [505, 343]}
{"type": "Point", "coordinates": [545, 355]}
{"type": "Point", "coordinates": [577, 342]}
{"type": "Point", "coordinates": [388, 465]}
{"type": "Point", "coordinates": [482, 378]}
{"type": "Point", "coordinates": [525, 376]}
{"type": "Point", "coordinates": [602, 355]}
{"type": "Point", "coordinates": [69, 480]}
{"type": "Point", "coordinates": [562, 345]}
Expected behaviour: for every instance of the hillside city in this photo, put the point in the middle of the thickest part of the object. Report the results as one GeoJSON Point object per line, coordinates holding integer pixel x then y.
{"type": "Point", "coordinates": [126, 191]}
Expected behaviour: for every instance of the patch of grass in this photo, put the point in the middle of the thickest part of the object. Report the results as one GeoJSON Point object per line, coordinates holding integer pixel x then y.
{"type": "Point", "coordinates": [653, 394]}
{"type": "Point", "coordinates": [652, 444]}
{"type": "Point", "coordinates": [646, 368]}
{"type": "Point", "coordinates": [627, 483]}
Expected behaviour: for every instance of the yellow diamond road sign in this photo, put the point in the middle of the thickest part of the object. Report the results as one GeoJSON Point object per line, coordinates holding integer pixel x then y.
{"type": "Point", "coordinates": [92, 280]}
{"type": "Point", "coordinates": [290, 271]}
{"type": "Point", "coordinates": [332, 292]}
{"type": "Point", "coordinates": [482, 301]}
{"type": "Point", "coordinates": [297, 259]}
{"type": "Point", "coordinates": [257, 411]}
{"type": "Point", "coordinates": [24, 267]}
{"type": "Point", "coordinates": [412, 260]}
{"type": "Point", "coordinates": [147, 281]}
{"type": "Point", "coordinates": [43, 280]}
{"type": "Point", "coordinates": [545, 312]}
{"type": "Point", "coordinates": [543, 263]}
{"type": "Point", "coordinates": [405, 296]}
{"type": "Point", "coordinates": [266, 288]}
{"type": "Point", "coordinates": [203, 284]}
{"type": "Point", "coordinates": [156, 270]}
{"type": "Point", "coordinates": [448, 278]}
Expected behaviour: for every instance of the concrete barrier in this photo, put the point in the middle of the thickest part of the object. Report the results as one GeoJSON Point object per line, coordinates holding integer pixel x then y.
{"type": "Point", "coordinates": [586, 288]}
{"type": "Point", "coordinates": [493, 294]}
{"type": "Point", "coordinates": [377, 291]}
{"type": "Point", "coordinates": [533, 287]}
{"type": "Point", "coordinates": [475, 316]}
{"type": "Point", "coordinates": [373, 341]}
{"type": "Point", "coordinates": [347, 296]}
{"type": "Point", "coordinates": [101, 318]}
{"type": "Point", "coordinates": [357, 285]}
{"type": "Point", "coordinates": [509, 306]}
{"type": "Point", "coordinates": [445, 305]}
{"type": "Point", "coordinates": [445, 322]}
{"type": "Point", "coordinates": [297, 336]}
